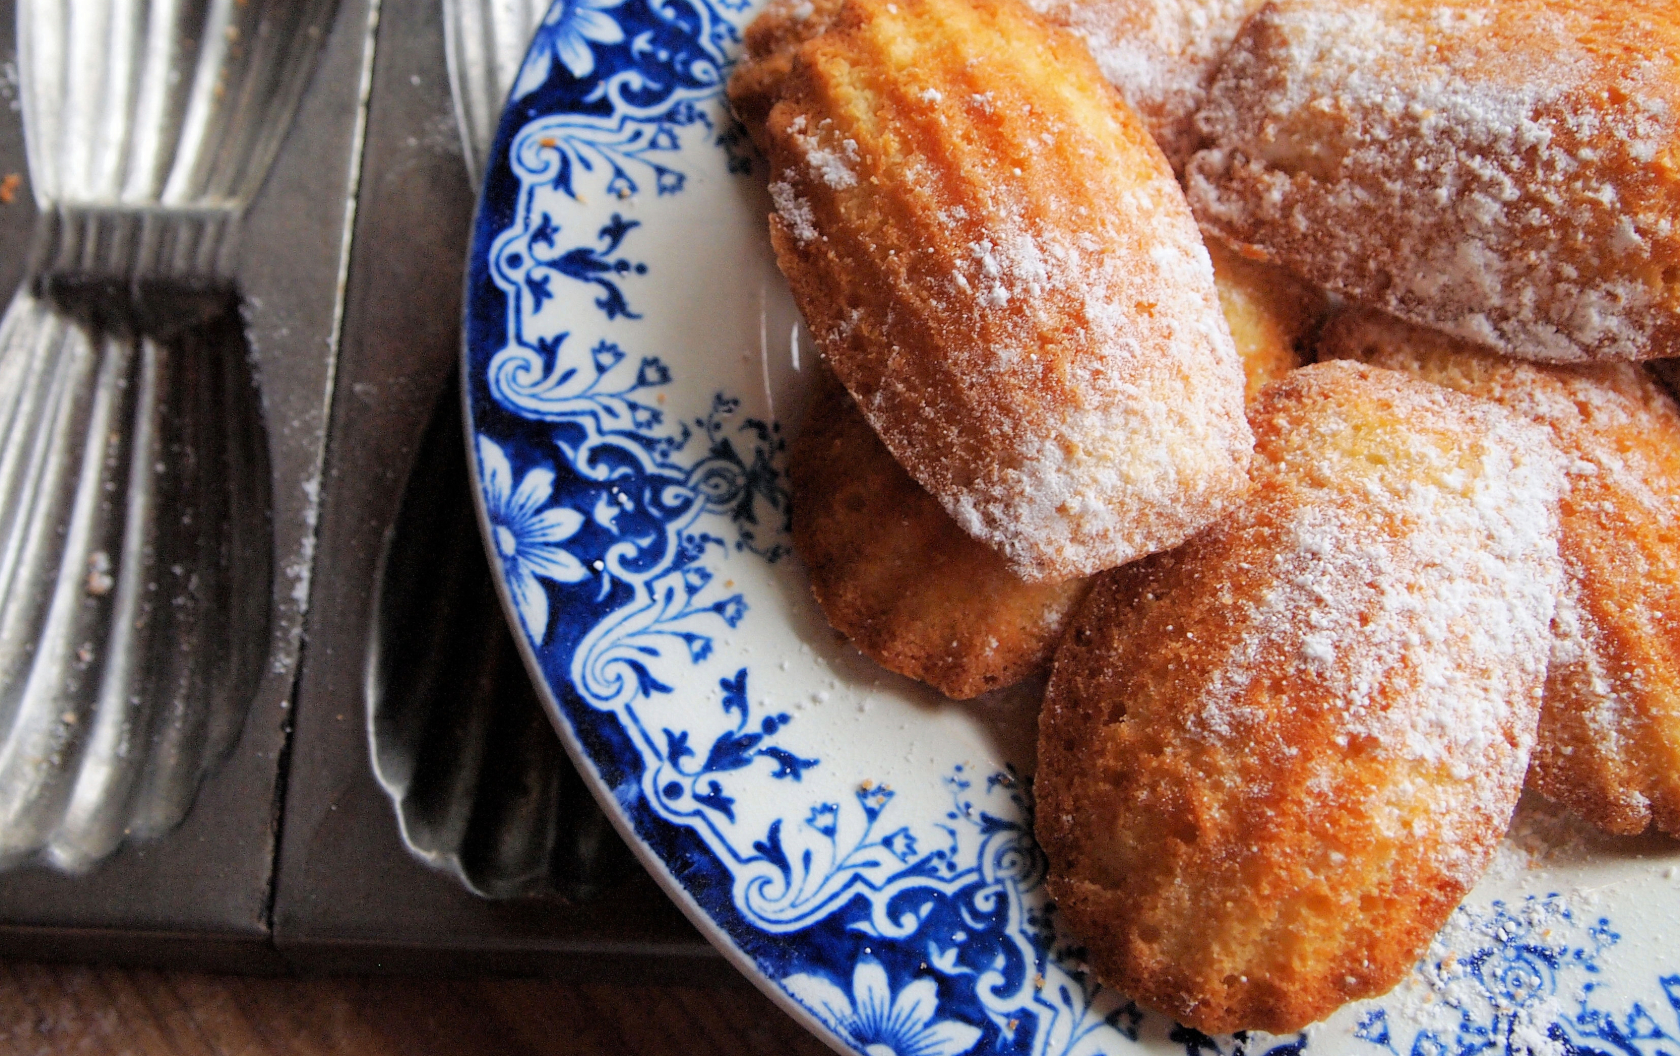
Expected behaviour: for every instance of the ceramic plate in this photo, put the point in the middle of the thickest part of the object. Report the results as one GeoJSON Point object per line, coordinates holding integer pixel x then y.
{"type": "Point", "coordinates": [856, 844]}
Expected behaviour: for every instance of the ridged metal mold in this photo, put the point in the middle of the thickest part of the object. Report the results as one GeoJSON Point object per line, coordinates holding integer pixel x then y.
{"type": "Point", "coordinates": [485, 43]}
{"type": "Point", "coordinates": [136, 541]}
{"type": "Point", "coordinates": [134, 574]}
{"type": "Point", "coordinates": [481, 786]}
{"type": "Point", "coordinates": [149, 124]}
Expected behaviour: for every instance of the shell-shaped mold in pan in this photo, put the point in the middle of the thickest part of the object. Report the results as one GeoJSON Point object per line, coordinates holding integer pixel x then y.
{"type": "Point", "coordinates": [134, 574]}
{"type": "Point", "coordinates": [150, 125]}
{"type": "Point", "coordinates": [481, 786]}
{"type": "Point", "coordinates": [136, 567]}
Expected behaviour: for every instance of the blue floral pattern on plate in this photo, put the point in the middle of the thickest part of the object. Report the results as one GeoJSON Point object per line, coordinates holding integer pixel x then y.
{"type": "Point", "coordinates": [875, 1020]}
{"type": "Point", "coordinates": [565, 35]}
{"type": "Point", "coordinates": [528, 539]}
{"type": "Point", "coordinates": [639, 517]}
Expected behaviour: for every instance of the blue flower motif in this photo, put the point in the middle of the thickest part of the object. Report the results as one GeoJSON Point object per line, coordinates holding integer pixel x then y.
{"type": "Point", "coordinates": [528, 538]}
{"type": "Point", "coordinates": [566, 33]}
{"type": "Point", "coordinates": [879, 1024]}
{"type": "Point", "coordinates": [825, 818]}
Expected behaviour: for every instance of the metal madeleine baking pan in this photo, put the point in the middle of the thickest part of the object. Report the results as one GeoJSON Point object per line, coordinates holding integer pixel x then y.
{"type": "Point", "coordinates": [258, 704]}
{"type": "Point", "coordinates": [168, 360]}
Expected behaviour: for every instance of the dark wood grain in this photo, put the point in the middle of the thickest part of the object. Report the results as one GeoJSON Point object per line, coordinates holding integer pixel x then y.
{"type": "Point", "coordinates": [55, 1010]}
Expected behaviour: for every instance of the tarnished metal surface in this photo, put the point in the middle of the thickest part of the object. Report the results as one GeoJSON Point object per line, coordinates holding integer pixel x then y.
{"type": "Point", "coordinates": [460, 742]}
{"type": "Point", "coordinates": [135, 523]}
{"type": "Point", "coordinates": [481, 787]}
{"type": "Point", "coordinates": [150, 125]}
{"type": "Point", "coordinates": [407, 656]}
{"type": "Point", "coordinates": [508, 818]}
{"type": "Point", "coordinates": [136, 550]}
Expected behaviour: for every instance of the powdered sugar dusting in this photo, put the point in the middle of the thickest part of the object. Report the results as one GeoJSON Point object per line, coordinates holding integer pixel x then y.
{"type": "Point", "coordinates": [1415, 576]}
{"type": "Point", "coordinates": [1581, 671]}
{"type": "Point", "coordinates": [794, 211]}
{"type": "Point", "coordinates": [1161, 54]}
{"type": "Point", "coordinates": [1606, 719]}
{"type": "Point", "coordinates": [1030, 273]}
{"type": "Point", "coordinates": [1546, 843]}
{"type": "Point", "coordinates": [1478, 168]}
{"type": "Point", "coordinates": [1040, 341]}
{"type": "Point", "coordinates": [1511, 971]}
{"type": "Point", "coordinates": [831, 162]}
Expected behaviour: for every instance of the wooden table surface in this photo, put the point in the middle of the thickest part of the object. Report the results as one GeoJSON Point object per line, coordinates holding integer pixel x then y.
{"type": "Point", "coordinates": [72, 1011]}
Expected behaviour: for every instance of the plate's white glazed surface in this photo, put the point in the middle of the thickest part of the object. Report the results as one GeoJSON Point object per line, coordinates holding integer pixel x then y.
{"type": "Point", "coordinates": [858, 845]}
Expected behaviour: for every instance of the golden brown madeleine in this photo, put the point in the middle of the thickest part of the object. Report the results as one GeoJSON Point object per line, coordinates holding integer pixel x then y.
{"type": "Point", "coordinates": [893, 572]}
{"type": "Point", "coordinates": [767, 55]}
{"type": "Point", "coordinates": [1273, 760]}
{"type": "Point", "coordinates": [1272, 315]}
{"type": "Point", "coordinates": [1504, 170]}
{"type": "Point", "coordinates": [1161, 54]}
{"type": "Point", "coordinates": [998, 264]}
{"type": "Point", "coordinates": [896, 575]}
{"type": "Point", "coordinates": [1609, 745]}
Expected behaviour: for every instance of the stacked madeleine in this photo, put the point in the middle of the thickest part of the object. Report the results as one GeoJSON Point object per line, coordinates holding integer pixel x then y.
{"type": "Point", "coordinates": [1000, 267]}
{"type": "Point", "coordinates": [1311, 626]}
